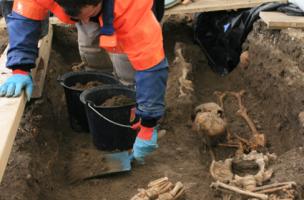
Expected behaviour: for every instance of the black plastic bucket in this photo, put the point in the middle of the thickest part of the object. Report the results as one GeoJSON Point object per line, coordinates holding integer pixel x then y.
{"type": "Point", "coordinates": [76, 110]}
{"type": "Point", "coordinates": [109, 126]}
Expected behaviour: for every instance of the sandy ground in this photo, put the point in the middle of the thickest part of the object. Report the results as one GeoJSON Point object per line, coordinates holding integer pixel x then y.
{"type": "Point", "coordinates": [38, 164]}
{"type": "Point", "coordinates": [3, 40]}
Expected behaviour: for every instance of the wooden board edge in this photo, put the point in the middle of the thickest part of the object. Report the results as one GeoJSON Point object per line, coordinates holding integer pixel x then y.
{"type": "Point", "coordinates": [264, 15]}
{"type": "Point", "coordinates": [188, 9]}
{"type": "Point", "coordinates": [10, 132]}
{"type": "Point", "coordinates": [11, 110]}
{"type": "Point", "coordinates": [39, 73]}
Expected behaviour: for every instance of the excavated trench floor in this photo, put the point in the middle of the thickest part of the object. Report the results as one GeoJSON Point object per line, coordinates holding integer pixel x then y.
{"type": "Point", "coordinates": [38, 164]}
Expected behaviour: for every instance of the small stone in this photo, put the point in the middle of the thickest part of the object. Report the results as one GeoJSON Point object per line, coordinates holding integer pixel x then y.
{"type": "Point", "coordinates": [28, 176]}
{"type": "Point", "coordinates": [161, 133]}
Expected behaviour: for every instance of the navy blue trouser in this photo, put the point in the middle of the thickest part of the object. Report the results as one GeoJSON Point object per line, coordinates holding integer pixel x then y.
{"type": "Point", "coordinates": [150, 91]}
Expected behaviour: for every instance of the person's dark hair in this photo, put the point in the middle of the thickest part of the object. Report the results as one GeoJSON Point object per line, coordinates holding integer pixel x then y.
{"type": "Point", "coordinates": [73, 7]}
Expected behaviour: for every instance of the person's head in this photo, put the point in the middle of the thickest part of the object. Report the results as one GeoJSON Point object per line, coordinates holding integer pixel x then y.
{"type": "Point", "coordinates": [81, 9]}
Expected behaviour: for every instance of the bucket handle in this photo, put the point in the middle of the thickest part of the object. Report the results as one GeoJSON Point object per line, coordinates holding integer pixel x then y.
{"type": "Point", "coordinates": [107, 119]}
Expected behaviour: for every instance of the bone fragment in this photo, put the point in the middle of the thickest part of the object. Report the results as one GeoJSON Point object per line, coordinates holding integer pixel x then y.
{"type": "Point", "coordinates": [178, 190]}
{"type": "Point", "coordinates": [221, 96]}
{"type": "Point", "coordinates": [158, 181]}
{"type": "Point", "coordinates": [244, 59]}
{"type": "Point", "coordinates": [257, 139]}
{"type": "Point", "coordinates": [161, 189]}
{"type": "Point", "coordinates": [243, 111]}
{"type": "Point", "coordinates": [209, 123]}
{"type": "Point", "coordinates": [247, 182]}
{"type": "Point", "coordinates": [221, 170]}
{"type": "Point", "coordinates": [275, 185]}
{"type": "Point", "coordinates": [210, 107]}
{"type": "Point", "coordinates": [271, 190]}
{"type": "Point", "coordinates": [185, 85]}
{"type": "Point", "coordinates": [220, 185]}
{"type": "Point", "coordinates": [241, 139]}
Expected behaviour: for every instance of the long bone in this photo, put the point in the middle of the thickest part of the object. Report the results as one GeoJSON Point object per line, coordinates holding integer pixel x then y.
{"type": "Point", "coordinates": [222, 186]}
{"type": "Point", "coordinates": [176, 193]}
{"type": "Point", "coordinates": [221, 97]}
{"type": "Point", "coordinates": [257, 139]}
{"type": "Point", "coordinates": [275, 187]}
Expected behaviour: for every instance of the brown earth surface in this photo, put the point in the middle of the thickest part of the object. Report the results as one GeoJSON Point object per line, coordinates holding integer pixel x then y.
{"type": "Point", "coordinates": [84, 86]}
{"type": "Point", "coordinates": [273, 82]}
{"type": "Point", "coordinates": [3, 40]}
{"type": "Point", "coordinates": [119, 100]}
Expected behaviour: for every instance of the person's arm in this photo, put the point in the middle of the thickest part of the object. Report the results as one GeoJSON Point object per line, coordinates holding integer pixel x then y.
{"type": "Point", "coordinates": [24, 35]}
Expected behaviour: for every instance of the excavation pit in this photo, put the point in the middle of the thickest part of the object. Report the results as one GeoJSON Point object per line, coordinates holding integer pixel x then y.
{"type": "Point", "coordinates": [274, 97]}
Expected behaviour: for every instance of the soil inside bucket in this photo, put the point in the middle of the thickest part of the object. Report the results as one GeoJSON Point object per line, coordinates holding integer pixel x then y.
{"type": "Point", "coordinates": [119, 100]}
{"type": "Point", "coordinates": [88, 85]}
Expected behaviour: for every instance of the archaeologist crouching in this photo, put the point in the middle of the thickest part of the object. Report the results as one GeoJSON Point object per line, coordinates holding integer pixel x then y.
{"type": "Point", "coordinates": [127, 29]}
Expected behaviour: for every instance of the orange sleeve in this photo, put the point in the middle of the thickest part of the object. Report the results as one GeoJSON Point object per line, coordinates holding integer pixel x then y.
{"type": "Point", "coordinates": [30, 9]}
{"type": "Point", "coordinates": [139, 33]}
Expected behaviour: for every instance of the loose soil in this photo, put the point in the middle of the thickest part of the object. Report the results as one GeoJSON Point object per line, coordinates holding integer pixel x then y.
{"type": "Point", "coordinates": [274, 96]}
{"type": "Point", "coordinates": [119, 100]}
{"type": "Point", "coordinates": [84, 86]}
{"type": "Point", "coordinates": [85, 161]}
{"type": "Point", "coordinates": [3, 40]}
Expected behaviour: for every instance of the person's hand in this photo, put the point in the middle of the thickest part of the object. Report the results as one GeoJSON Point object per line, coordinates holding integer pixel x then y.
{"type": "Point", "coordinates": [145, 143]}
{"type": "Point", "coordinates": [13, 86]}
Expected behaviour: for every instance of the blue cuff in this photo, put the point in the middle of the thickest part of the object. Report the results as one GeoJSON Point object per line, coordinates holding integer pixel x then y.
{"type": "Point", "coordinates": [24, 35]}
{"type": "Point", "coordinates": [107, 17]}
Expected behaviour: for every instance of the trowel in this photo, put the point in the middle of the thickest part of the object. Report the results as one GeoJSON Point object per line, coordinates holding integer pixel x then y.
{"type": "Point", "coordinates": [92, 163]}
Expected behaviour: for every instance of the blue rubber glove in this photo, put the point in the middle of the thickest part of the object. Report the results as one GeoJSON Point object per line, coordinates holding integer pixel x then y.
{"type": "Point", "coordinates": [145, 143]}
{"type": "Point", "coordinates": [13, 86]}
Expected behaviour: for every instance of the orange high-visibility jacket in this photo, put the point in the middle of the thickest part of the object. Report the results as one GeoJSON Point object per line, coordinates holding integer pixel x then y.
{"type": "Point", "coordinates": [137, 30]}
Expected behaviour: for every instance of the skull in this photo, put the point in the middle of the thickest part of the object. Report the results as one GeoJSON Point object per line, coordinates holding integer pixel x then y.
{"type": "Point", "coordinates": [210, 107]}
{"type": "Point", "coordinates": [209, 119]}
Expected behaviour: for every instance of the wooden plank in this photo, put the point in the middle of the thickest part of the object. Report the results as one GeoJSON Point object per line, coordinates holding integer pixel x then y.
{"type": "Point", "coordinates": [11, 110]}
{"type": "Point", "coordinates": [277, 20]}
{"type": "Point", "coordinates": [39, 73]}
{"type": "Point", "coordinates": [216, 5]}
